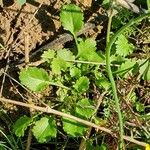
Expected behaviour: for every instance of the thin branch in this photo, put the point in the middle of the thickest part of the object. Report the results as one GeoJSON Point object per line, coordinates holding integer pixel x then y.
{"type": "Point", "coordinates": [59, 113]}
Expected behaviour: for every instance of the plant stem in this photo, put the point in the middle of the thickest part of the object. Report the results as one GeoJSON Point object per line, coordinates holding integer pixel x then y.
{"type": "Point", "coordinates": [77, 45]}
{"type": "Point", "coordinates": [148, 5]}
{"type": "Point", "coordinates": [108, 67]}
{"type": "Point", "coordinates": [109, 26]}
{"type": "Point", "coordinates": [58, 85]}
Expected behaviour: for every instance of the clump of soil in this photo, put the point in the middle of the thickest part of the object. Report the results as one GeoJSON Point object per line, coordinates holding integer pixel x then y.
{"type": "Point", "coordinates": [38, 24]}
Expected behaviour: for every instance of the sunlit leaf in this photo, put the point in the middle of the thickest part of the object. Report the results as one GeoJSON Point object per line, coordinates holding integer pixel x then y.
{"type": "Point", "coordinates": [34, 78]}
{"type": "Point", "coordinates": [73, 128]}
{"type": "Point", "coordinates": [87, 51]}
{"type": "Point", "coordinates": [85, 108]}
{"type": "Point", "coordinates": [21, 125]}
{"type": "Point", "coordinates": [71, 17]}
{"type": "Point", "coordinates": [21, 2]}
{"type": "Point", "coordinates": [123, 47]}
{"type": "Point", "coordinates": [45, 129]}
{"type": "Point", "coordinates": [82, 84]}
{"type": "Point", "coordinates": [58, 64]}
{"type": "Point", "coordinates": [47, 55]}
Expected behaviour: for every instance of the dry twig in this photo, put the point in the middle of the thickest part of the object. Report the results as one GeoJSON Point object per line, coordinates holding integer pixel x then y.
{"type": "Point", "coordinates": [59, 113]}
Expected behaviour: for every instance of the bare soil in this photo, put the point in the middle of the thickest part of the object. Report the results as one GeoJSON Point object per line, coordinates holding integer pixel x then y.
{"type": "Point", "coordinates": [38, 24]}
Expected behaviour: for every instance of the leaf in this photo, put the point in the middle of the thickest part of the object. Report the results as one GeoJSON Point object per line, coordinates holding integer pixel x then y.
{"type": "Point", "coordinates": [131, 97]}
{"type": "Point", "coordinates": [65, 54]}
{"type": "Point", "coordinates": [71, 18]}
{"type": "Point", "coordinates": [106, 3]}
{"type": "Point", "coordinates": [123, 47]}
{"type": "Point", "coordinates": [126, 68]}
{"type": "Point", "coordinates": [87, 51]}
{"type": "Point", "coordinates": [139, 107]}
{"type": "Point", "coordinates": [62, 94]}
{"type": "Point", "coordinates": [34, 78]}
{"type": "Point", "coordinates": [82, 84]}
{"type": "Point", "coordinates": [45, 129]}
{"type": "Point", "coordinates": [21, 125]}
{"type": "Point", "coordinates": [101, 80]}
{"type": "Point", "coordinates": [58, 65]}
{"type": "Point", "coordinates": [100, 121]}
{"type": "Point", "coordinates": [73, 128]}
{"type": "Point", "coordinates": [75, 72]}
{"type": "Point", "coordinates": [145, 69]}
{"type": "Point", "coordinates": [21, 2]}
{"type": "Point", "coordinates": [47, 55]}
{"type": "Point", "coordinates": [102, 147]}
{"type": "Point", "coordinates": [85, 108]}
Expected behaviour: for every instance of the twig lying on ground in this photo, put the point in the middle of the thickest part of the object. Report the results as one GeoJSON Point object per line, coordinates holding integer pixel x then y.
{"type": "Point", "coordinates": [61, 40]}
{"type": "Point", "coordinates": [59, 113]}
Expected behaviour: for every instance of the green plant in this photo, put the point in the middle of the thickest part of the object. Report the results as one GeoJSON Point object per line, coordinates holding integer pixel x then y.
{"type": "Point", "coordinates": [74, 74]}
{"type": "Point", "coordinates": [8, 141]}
{"type": "Point", "coordinates": [21, 2]}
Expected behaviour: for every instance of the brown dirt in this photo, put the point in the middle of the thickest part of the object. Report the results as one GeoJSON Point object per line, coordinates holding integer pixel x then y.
{"type": "Point", "coordinates": [15, 19]}
{"type": "Point", "coordinates": [18, 23]}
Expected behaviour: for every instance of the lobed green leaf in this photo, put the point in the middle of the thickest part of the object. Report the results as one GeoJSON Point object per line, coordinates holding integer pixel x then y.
{"type": "Point", "coordinates": [73, 128]}
{"type": "Point", "coordinates": [71, 18]}
{"type": "Point", "coordinates": [82, 84]}
{"type": "Point", "coordinates": [21, 2]}
{"type": "Point", "coordinates": [58, 64]}
{"type": "Point", "coordinates": [34, 78]}
{"type": "Point", "coordinates": [21, 125]}
{"type": "Point", "coordinates": [85, 108]}
{"type": "Point", "coordinates": [44, 129]}
{"type": "Point", "coordinates": [48, 55]}
{"type": "Point", "coordinates": [87, 51]}
{"type": "Point", "coordinates": [65, 54]}
{"type": "Point", "coordinates": [123, 47]}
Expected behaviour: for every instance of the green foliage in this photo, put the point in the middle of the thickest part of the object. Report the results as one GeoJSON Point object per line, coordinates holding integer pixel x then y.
{"type": "Point", "coordinates": [73, 128]}
{"type": "Point", "coordinates": [21, 2]}
{"type": "Point", "coordinates": [44, 129]}
{"type": "Point", "coordinates": [85, 108]}
{"type": "Point", "coordinates": [101, 80]}
{"type": "Point", "coordinates": [122, 16]}
{"type": "Point", "coordinates": [34, 78]}
{"type": "Point", "coordinates": [75, 72]}
{"type": "Point", "coordinates": [21, 125]}
{"type": "Point", "coordinates": [87, 51]}
{"type": "Point", "coordinates": [123, 47]}
{"type": "Point", "coordinates": [65, 54]}
{"type": "Point", "coordinates": [58, 65]}
{"type": "Point", "coordinates": [82, 84]}
{"type": "Point", "coordinates": [106, 3]}
{"type": "Point", "coordinates": [48, 55]}
{"type": "Point", "coordinates": [84, 74]}
{"type": "Point", "coordinates": [126, 68]}
{"type": "Point", "coordinates": [139, 107]}
{"type": "Point", "coordinates": [71, 17]}
{"type": "Point", "coordinates": [145, 69]}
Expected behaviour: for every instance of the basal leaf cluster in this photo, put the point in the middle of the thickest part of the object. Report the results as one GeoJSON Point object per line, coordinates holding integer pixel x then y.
{"type": "Point", "coordinates": [75, 77]}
